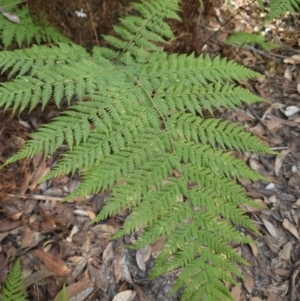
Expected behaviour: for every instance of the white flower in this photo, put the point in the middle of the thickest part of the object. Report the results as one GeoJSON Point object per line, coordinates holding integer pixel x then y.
{"type": "Point", "coordinates": [80, 13]}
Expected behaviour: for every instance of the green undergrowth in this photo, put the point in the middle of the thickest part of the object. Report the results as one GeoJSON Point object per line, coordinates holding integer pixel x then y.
{"type": "Point", "coordinates": [13, 289]}
{"type": "Point", "coordinates": [275, 9]}
{"type": "Point", "coordinates": [246, 38]}
{"type": "Point", "coordinates": [140, 124]}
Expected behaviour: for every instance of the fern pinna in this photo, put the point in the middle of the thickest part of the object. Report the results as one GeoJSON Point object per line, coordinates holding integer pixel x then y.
{"type": "Point", "coordinates": [23, 29]}
{"type": "Point", "coordinates": [279, 7]}
{"type": "Point", "coordinates": [135, 127]}
{"type": "Point", "coordinates": [13, 289]}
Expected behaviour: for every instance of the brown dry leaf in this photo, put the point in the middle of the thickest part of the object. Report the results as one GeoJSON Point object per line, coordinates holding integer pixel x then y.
{"type": "Point", "coordinates": [12, 212]}
{"type": "Point", "coordinates": [236, 292]}
{"type": "Point", "coordinates": [91, 214]}
{"type": "Point", "coordinates": [140, 293]}
{"type": "Point", "coordinates": [118, 270]}
{"type": "Point", "coordinates": [8, 224]}
{"type": "Point", "coordinates": [142, 256]}
{"type": "Point", "coordinates": [104, 228]}
{"type": "Point", "coordinates": [146, 253]}
{"type": "Point", "coordinates": [139, 260]}
{"type": "Point", "coordinates": [274, 297]}
{"type": "Point", "coordinates": [29, 206]}
{"type": "Point", "coordinates": [255, 299]}
{"type": "Point", "coordinates": [296, 57]}
{"type": "Point", "coordinates": [37, 276]}
{"type": "Point", "coordinates": [256, 166]}
{"type": "Point", "coordinates": [25, 183]}
{"type": "Point", "coordinates": [249, 282]}
{"type": "Point", "coordinates": [121, 269]}
{"type": "Point", "coordinates": [27, 237]}
{"type": "Point", "coordinates": [75, 259]}
{"type": "Point", "coordinates": [279, 161]}
{"type": "Point", "coordinates": [3, 235]}
{"type": "Point", "coordinates": [79, 267]}
{"type": "Point", "coordinates": [53, 263]}
{"type": "Point", "coordinates": [108, 253]}
{"type": "Point", "coordinates": [244, 115]}
{"type": "Point", "coordinates": [289, 123]}
{"type": "Point", "coordinates": [3, 269]}
{"type": "Point", "coordinates": [288, 74]}
{"type": "Point", "coordinates": [285, 253]}
{"type": "Point", "coordinates": [294, 60]}
{"type": "Point", "coordinates": [254, 249]}
{"type": "Point", "coordinates": [282, 272]}
{"type": "Point", "coordinates": [128, 295]}
{"type": "Point", "coordinates": [273, 124]}
{"type": "Point", "coordinates": [270, 227]}
{"type": "Point", "coordinates": [40, 172]}
{"type": "Point", "coordinates": [258, 130]}
{"type": "Point", "coordinates": [290, 227]}
{"type": "Point", "coordinates": [78, 291]}
{"type": "Point", "coordinates": [156, 248]}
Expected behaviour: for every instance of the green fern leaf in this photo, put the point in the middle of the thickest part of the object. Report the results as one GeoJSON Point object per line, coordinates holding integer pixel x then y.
{"type": "Point", "coordinates": [279, 7]}
{"type": "Point", "coordinates": [63, 294]}
{"type": "Point", "coordinates": [136, 128]}
{"type": "Point", "coordinates": [140, 34]}
{"type": "Point", "coordinates": [26, 30]}
{"type": "Point", "coordinates": [31, 59]}
{"type": "Point", "coordinates": [13, 289]}
{"type": "Point", "coordinates": [247, 38]}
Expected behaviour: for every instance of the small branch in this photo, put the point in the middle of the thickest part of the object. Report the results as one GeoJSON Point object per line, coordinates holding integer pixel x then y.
{"type": "Point", "coordinates": [33, 196]}
{"type": "Point", "coordinates": [92, 22]}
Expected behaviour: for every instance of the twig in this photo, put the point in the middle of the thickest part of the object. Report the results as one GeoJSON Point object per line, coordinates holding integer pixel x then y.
{"type": "Point", "coordinates": [92, 22]}
{"type": "Point", "coordinates": [265, 53]}
{"type": "Point", "coordinates": [259, 119]}
{"type": "Point", "coordinates": [228, 20]}
{"type": "Point", "coordinates": [33, 196]}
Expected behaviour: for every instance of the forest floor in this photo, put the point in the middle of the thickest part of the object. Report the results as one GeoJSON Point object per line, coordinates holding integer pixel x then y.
{"type": "Point", "coordinates": [57, 244]}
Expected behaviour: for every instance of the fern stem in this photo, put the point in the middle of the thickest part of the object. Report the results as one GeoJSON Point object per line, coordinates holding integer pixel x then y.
{"type": "Point", "coordinates": [132, 41]}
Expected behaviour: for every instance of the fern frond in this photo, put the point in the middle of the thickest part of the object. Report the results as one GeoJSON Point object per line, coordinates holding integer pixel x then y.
{"type": "Point", "coordinates": [61, 81]}
{"type": "Point", "coordinates": [25, 31]}
{"type": "Point", "coordinates": [31, 59]}
{"type": "Point", "coordinates": [136, 128]}
{"type": "Point", "coordinates": [13, 289]}
{"type": "Point", "coordinates": [279, 7]}
{"type": "Point", "coordinates": [215, 132]}
{"type": "Point", "coordinates": [140, 34]}
{"type": "Point", "coordinates": [247, 38]}
{"type": "Point", "coordinates": [126, 134]}
{"type": "Point", "coordinates": [217, 161]}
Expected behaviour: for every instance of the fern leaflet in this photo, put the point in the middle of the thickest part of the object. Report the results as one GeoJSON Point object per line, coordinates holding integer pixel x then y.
{"type": "Point", "coordinates": [13, 289]}
{"type": "Point", "coordinates": [26, 30]}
